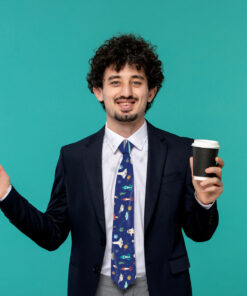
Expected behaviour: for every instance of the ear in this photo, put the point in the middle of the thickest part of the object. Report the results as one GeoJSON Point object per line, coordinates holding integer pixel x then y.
{"type": "Point", "coordinates": [98, 93]}
{"type": "Point", "coordinates": [151, 93]}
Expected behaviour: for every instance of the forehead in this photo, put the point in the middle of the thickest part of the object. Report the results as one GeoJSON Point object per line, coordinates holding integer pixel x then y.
{"type": "Point", "coordinates": [126, 71]}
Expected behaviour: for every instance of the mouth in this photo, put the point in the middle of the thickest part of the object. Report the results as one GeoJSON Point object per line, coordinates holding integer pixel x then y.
{"type": "Point", "coordinates": [126, 105]}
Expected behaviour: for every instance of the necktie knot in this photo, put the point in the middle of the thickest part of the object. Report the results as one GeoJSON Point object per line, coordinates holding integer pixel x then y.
{"type": "Point", "coordinates": [125, 147]}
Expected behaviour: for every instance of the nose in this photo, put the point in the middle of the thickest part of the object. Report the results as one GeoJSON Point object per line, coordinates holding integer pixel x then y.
{"type": "Point", "coordinates": [126, 90]}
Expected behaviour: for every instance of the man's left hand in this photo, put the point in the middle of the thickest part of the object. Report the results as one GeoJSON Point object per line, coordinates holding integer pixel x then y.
{"type": "Point", "coordinates": [209, 190]}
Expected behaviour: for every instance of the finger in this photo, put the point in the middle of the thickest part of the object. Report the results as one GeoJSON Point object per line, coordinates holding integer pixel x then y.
{"type": "Point", "coordinates": [211, 181]}
{"type": "Point", "coordinates": [220, 161]}
{"type": "Point", "coordinates": [191, 164]}
{"type": "Point", "coordinates": [214, 170]}
{"type": "Point", "coordinates": [213, 189]}
{"type": "Point", "coordinates": [1, 169]}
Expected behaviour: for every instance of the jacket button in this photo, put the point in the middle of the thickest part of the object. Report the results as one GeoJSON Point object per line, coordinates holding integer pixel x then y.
{"type": "Point", "coordinates": [96, 269]}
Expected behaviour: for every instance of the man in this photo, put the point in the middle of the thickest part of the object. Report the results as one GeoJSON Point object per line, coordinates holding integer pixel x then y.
{"type": "Point", "coordinates": [125, 192]}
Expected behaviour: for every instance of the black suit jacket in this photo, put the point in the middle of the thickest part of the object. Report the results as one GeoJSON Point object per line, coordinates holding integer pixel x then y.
{"type": "Point", "coordinates": [77, 205]}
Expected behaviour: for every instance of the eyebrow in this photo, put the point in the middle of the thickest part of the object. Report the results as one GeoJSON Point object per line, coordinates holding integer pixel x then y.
{"type": "Point", "coordinates": [113, 77]}
{"type": "Point", "coordinates": [118, 76]}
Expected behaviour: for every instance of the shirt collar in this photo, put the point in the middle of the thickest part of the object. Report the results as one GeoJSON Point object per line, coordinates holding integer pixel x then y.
{"type": "Point", "coordinates": [138, 139]}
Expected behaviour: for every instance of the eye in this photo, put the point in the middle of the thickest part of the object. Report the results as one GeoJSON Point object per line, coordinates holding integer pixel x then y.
{"type": "Point", "coordinates": [115, 82]}
{"type": "Point", "coordinates": [137, 83]}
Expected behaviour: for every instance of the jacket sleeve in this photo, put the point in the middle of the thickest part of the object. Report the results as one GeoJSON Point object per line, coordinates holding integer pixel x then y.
{"type": "Point", "coordinates": [198, 223]}
{"type": "Point", "coordinates": [50, 229]}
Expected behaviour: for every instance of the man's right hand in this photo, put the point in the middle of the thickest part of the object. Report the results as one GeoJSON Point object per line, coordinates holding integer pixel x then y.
{"type": "Point", "coordinates": [4, 182]}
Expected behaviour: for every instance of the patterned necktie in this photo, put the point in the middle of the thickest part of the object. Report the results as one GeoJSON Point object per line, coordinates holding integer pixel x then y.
{"type": "Point", "coordinates": [123, 263]}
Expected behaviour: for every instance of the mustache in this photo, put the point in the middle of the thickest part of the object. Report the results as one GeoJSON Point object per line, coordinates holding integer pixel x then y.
{"type": "Point", "coordinates": [125, 98]}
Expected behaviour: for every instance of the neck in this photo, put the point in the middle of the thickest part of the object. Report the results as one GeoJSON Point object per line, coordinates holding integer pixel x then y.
{"type": "Point", "coordinates": [125, 129]}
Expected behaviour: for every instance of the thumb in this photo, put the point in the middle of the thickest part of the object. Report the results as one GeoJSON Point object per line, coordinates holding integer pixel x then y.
{"type": "Point", "coordinates": [1, 169]}
{"type": "Point", "coordinates": [191, 165]}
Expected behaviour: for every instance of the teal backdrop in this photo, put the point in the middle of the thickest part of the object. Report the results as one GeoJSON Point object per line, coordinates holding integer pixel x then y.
{"type": "Point", "coordinates": [45, 103]}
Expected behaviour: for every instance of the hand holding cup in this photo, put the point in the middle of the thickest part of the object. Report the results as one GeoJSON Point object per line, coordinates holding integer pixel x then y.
{"type": "Point", "coordinates": [206, 168]}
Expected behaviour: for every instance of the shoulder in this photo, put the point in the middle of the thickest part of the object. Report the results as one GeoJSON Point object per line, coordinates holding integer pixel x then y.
{"type": "Point", "coordinates": [173, 141]}
{"type": "Point", "coordinates": [168, 136]}
{"type": "Point", "coordinates": [80, 145]}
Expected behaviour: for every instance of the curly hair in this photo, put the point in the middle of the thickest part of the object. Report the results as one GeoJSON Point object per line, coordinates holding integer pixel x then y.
{"type": "Point", "coordinates": [126, 49]}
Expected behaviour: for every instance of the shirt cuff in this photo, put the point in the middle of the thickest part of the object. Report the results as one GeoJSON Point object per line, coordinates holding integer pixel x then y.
{"type": "Point", "coordinates": [9, 189]}
{"type": "Point", "coordinates": [207, 207]}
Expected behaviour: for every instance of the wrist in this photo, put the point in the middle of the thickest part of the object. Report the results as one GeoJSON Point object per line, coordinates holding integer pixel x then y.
{"type": "Point", "coordinates": [203, 201]}
{"type": "Point", "coordinates": [5, 192]}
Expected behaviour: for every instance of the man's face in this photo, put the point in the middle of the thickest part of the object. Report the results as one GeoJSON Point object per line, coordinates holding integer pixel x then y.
{"type": "Point", "coordinates": [125, 94]}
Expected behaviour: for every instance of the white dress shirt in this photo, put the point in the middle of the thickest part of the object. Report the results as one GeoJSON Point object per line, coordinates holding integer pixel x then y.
{"type": "Point", "coordinates": [111, 159]}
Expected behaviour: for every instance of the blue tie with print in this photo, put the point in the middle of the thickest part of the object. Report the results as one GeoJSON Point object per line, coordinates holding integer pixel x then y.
{"type": "Point", "coordinates": [123, 261]}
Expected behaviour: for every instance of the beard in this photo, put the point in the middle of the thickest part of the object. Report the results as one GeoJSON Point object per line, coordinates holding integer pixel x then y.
{"type": "Point", "coordinates": [126, 117]}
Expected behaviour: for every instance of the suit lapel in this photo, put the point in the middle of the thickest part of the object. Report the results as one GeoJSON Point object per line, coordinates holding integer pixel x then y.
{"type": "Point", "coordinates": [93, 165]}
{"type": "Point", "coordinates": [157, 152]}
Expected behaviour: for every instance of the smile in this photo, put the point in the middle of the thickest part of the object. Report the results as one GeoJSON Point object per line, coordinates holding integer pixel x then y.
{"type": "Point", "coordinates": [126, 105]}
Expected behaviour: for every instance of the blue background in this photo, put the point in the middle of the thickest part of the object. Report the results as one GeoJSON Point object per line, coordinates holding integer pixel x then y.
{"type": "Point", "coordinates": [45, 103]}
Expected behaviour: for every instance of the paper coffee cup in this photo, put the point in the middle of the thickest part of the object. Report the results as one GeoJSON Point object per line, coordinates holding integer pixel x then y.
{"type": "Point", "coordinates": [204, 153]}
